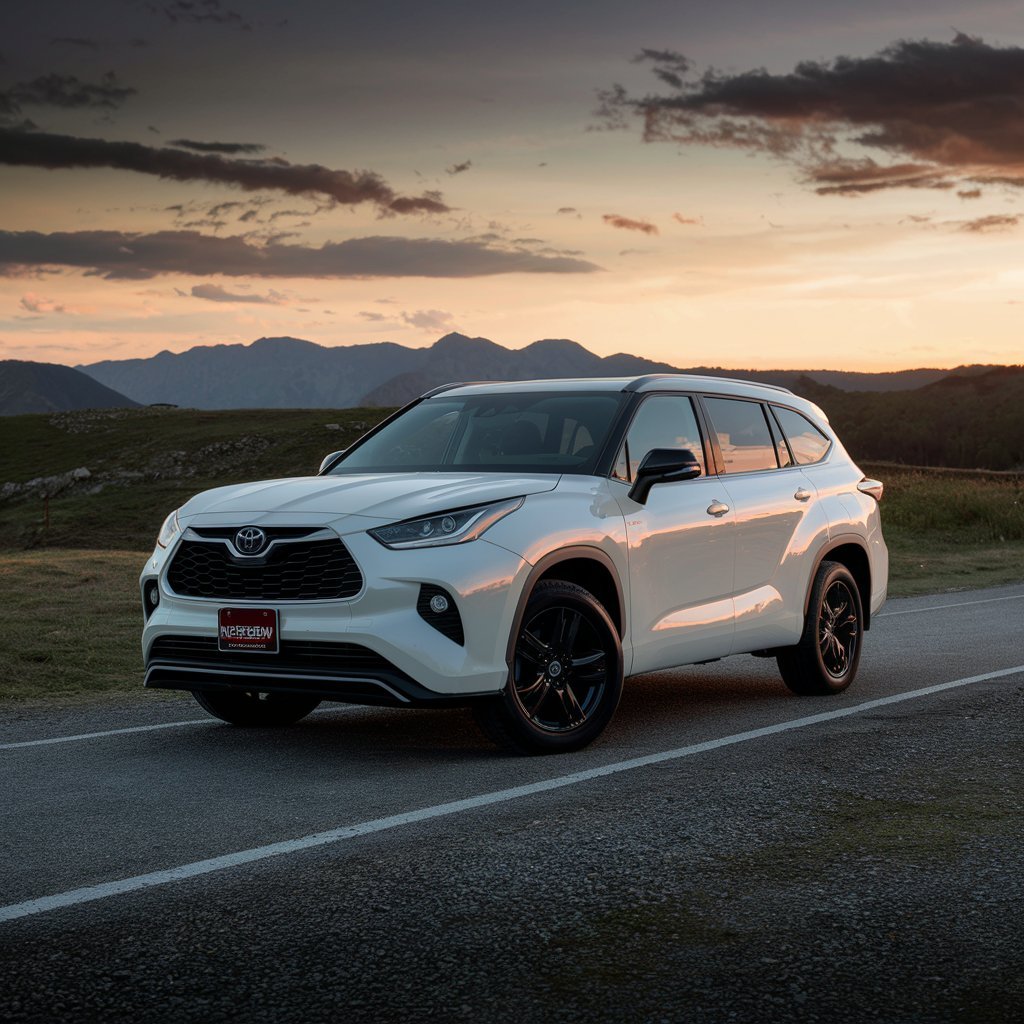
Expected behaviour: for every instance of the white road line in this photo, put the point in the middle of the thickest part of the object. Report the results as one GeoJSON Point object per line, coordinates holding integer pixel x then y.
{"type": "Point", "coordinates": [96, 735]}
{"type": "Point", "coordinates": [957, 604]}
{"type": "Point", "coordinates": [140, 728]}
{"type": "Point", "coordinates": [153, 879]}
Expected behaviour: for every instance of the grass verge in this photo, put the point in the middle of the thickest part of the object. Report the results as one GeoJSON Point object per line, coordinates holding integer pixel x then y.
{"type": "Point", "coordinates": [71, 623]}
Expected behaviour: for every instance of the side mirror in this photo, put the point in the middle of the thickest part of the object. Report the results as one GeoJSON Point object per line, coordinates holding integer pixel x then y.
{"type": "Point", "coordinates": [663, 465]}
{"type": "Point", "coordinates": [330, 460]}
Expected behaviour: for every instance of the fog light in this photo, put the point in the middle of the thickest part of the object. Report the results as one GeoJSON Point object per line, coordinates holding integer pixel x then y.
{"type": "Point", "coordinates": [153, 595]}
{"type": "Point", "coordinates": [439, 603]}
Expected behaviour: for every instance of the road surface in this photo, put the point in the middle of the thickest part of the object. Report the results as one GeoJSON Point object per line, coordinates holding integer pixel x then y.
{"type": "Point", "coordinates": [726, 852]}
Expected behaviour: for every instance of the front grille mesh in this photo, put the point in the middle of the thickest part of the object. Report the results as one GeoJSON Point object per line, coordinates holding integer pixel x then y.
{"type": "Point", "coordinates": [318, 570]}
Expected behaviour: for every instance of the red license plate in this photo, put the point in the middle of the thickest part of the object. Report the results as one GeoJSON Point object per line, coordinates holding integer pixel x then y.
{"type": "Point", "coordinates": [247, 629]}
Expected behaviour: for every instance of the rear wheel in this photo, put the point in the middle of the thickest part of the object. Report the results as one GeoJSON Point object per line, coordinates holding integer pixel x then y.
{"type": "Point", "coordinates": [251, 708]}
{"type": "Point", "coordinates": [566, 676]}
{"type": "Point", "coordinates": [826, 659]}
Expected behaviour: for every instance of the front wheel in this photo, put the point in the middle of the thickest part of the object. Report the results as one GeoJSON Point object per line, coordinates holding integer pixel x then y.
{"type": "Point", "coordinates": [826, 659]}
{"type": "Point", "coordinates": [250, 708]}
{"type": "Point", "coordinates": [566, 676]}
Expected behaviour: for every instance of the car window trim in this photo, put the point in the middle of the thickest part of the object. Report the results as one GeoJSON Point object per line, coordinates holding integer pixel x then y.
{"type": "Point", "coordinates": [713, 435]}
{"type": "Point", "coordinates": [631, 410]}
{"type": "Point", "coordinates": [789, 408]}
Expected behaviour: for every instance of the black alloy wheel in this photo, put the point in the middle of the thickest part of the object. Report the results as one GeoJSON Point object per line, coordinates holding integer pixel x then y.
{"type": "Point", "coordinates": [566, 674]}
{"type": "Point", "coordinates": [826, 659]}
{"type": "Point", "coordinates": [253, 708]}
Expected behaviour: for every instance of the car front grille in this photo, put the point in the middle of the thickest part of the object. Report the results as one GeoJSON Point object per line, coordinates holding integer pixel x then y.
{"type": "Point", "coordinates": [316, 570]}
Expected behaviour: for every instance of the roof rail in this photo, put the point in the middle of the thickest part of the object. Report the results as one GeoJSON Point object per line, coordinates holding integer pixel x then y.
{"type": "Point", "coordinates": [639, 382]}
{"type": "Point", "coordinates": [458, 384]}
{"type": "Point", "coordinates": [636, 385]}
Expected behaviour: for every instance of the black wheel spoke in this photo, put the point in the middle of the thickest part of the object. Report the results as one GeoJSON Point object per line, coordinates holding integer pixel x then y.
{"type": "Point", "coordinates": [570, 628]}
{"type": "Point", "coordinates": [525, 691]}
{"type": "Point", "coordinates": [571, 706]}
{"type": "Point", "coordinates": [533, 648]}
{"type": "Point", "coordinates": [533, 706]}
{"type": "Point", "coordinates": [587, 659]}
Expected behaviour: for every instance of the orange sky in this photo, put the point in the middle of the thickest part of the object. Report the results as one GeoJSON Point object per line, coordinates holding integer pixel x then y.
{"type": "Point", "coordinates": [681, 251]}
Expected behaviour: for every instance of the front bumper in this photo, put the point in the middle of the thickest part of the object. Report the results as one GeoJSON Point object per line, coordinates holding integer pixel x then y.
{"type": "Point", "coordinates": [374, 648]}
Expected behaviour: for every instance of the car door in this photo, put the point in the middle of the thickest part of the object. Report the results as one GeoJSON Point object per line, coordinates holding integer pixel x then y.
{"type": "Point", "coordinates": [680, 545]}
{"type": "Point", "coordinates": [777, 520]}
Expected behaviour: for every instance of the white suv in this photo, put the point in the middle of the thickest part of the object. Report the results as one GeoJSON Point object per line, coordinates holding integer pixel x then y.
{"type": "Point", "coordinates": [522, 548]}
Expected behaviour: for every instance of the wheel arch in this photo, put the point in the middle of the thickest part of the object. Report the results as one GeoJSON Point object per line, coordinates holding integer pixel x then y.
{"type": "Point", "coordinates": [851, 551]}
{"type": "Point", "coordinates": [587, 567]}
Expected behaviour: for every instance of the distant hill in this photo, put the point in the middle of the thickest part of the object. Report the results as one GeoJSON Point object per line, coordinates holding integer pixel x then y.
{"type": "Point", "coordinates": [286, 373]}
{"type": "Point", "coordinates": [49, 387]}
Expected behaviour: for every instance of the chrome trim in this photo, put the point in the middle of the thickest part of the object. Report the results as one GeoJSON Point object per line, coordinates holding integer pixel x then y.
{"type": "Point", "coordinates": [319, 533]}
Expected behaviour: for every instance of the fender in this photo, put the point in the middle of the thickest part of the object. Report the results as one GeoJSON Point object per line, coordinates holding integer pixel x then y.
{"type": "Point", "coordinates": [542, 566]}
{"type": "Point", "coordinates": [839, 541]}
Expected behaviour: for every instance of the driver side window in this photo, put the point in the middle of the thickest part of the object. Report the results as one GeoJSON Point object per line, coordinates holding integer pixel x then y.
{"type": "Point", "coordinates": [663, 421]}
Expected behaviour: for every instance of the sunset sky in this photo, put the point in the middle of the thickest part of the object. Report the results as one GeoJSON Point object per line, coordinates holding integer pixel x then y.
{"type": "Point", "coordinates": [807, 183]}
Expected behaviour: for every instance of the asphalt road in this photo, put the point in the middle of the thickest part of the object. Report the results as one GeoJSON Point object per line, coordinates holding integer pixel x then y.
{"type": "Point", "coordinates": [864, 865]}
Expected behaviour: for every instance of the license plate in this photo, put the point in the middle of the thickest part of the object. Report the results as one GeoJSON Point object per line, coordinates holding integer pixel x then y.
{"type": "Point", "coordinates": [247, 629]}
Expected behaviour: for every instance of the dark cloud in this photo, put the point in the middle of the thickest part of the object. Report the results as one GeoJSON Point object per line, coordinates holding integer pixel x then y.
{"type": "Point", "coordinates": [969, 193]}
{"type": "Point", "coordinates": [680, 219]}
{"type": "Point", "coordinates": [215, 293]}
{"type": "Point", "coordinates": [210, 12]}
{"type": "Point", "coordinates": [943, 113]}
{"type": "Point", "coordinates": [628, 224]}
{"type": "Point", "coordinates": [79, 41]}
{"type": "Point", "coordinates": [126, 256]}
{"type": "Point", "coordinates": [567, 209]}
{"type": "Point", "coordinates": [38, 149]}
{"type": "Point", "coordinates": [459, 168]}
{"type": "Point", "coordinates": [994, 222]}
{"type": "Point", "coordinates": [671, 67]}
{"type": "Point", "coordinates": [65, 91]}
{"type": "Point", "coordinates": [226, 148]}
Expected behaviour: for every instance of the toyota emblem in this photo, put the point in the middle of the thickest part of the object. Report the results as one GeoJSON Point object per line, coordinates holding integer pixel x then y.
{"type": "Point", "coordinates": [250, 540]}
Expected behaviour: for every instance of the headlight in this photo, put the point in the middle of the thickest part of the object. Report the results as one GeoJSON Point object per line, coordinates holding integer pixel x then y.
{"type": "Point", "coordinates": [456, 527]}
{"type": "Point", "coordinates": [169, 530]}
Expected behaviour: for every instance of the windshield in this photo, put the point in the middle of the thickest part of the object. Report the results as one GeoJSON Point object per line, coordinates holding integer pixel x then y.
{"type": "Point", "coordinates": [529, 432]}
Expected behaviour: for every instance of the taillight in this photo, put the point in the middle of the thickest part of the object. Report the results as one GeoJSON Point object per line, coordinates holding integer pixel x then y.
{"type": "Point", "coordinates": [872, 487]}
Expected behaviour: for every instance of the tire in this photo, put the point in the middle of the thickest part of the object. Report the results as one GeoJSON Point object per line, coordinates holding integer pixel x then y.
{"type": "Point", "coordinates": [566, 677]}
{"type": "Point", "coordinates": [826, 658]}
{"type": "Point", "coordinates": [250, 708]}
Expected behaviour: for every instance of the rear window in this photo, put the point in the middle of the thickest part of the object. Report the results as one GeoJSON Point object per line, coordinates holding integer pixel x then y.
{"type": "Point", "coordinates": [808, 443]}
{"type": "Point", "coordinates": [743, 434]}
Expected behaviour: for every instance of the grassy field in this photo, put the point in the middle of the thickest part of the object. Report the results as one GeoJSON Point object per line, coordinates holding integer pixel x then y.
{"type": "Point", "coordinates": [68, 588]}
{"type": "Point", "coordinates": [72, 621]}
{"type": "Point", "coordinates": [951, 530]}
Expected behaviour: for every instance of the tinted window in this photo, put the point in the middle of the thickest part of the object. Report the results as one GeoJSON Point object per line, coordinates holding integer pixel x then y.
{"type": "Point", "coordinates": [781, 448]}
{"type": "Point", "coordinates": [529, 432]}
{"type": "Point", "coordinates": [662, 421]}
{"type": "Point", "coordinates": [809, 444]}
{"type": "Point", "coordinates": [742, 433]}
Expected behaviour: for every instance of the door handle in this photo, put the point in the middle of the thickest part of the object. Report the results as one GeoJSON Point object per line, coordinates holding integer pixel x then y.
{"type": "Point", "coordinates": [717, 509]}
{"type": "Point", "coordinates": [802, 495]}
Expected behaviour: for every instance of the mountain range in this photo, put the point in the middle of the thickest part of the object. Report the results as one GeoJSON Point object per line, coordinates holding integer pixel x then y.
{"type": "Point", "coordinates": [290, 373]}
{"type": "Point", "coordinates": [49, 387]}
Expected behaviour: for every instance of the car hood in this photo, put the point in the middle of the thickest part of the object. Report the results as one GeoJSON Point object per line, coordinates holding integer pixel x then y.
{"type": "Point", "coordinates": [382, 495]}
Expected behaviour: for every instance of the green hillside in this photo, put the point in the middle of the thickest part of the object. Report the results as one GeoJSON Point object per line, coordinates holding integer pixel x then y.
{"type": "Point", "coordinates": [144, 462]}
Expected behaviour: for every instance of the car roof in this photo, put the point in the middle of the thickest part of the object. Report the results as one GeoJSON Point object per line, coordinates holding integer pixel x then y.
{"type": "Point", "coordinates": [647, 383]}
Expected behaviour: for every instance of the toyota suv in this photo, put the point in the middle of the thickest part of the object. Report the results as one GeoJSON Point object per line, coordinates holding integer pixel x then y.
{"type": "Point", "coordinates": [522, 548]}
